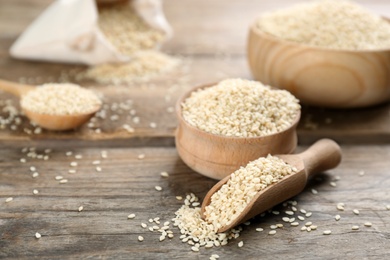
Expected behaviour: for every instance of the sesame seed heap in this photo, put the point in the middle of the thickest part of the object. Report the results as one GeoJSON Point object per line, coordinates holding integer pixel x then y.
{"type": "Point", "coordinates": [133, 37]}
{"type": "Point", "coordinates": [331, 24]}
{"type": "Point", "coordinates": [241, 108]}
{"type": "Point", "coordinates": [60, 99]}
{"type": "Point", "coordinates": [126, 30]}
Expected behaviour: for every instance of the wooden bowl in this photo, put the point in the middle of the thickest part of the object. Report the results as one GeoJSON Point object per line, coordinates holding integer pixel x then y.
{"type": "Point", "coordinates": [217, 156]}
{"type": "Point", "coordinates": [320, 76]}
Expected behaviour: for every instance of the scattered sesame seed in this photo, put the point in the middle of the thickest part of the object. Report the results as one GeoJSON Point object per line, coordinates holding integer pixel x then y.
{"type": "Point", "coordinates": [340, 206]}
{"type": "Point", "coordinates": [303, 211]}
{"type": "Point", "coordinates": [37, 235]}
{"type": "Point", "coordinates": [304, 228]}
{"type": "Point", "coordinates": [356, 211]}
{"type": "Point", "coordinates": [104, 154]}
{"type": "Point", "coordinates": [308, 214]}
{"type": "Point", "coordinates": [153, 125]}
{"type": "Point", "coordinates": [96, 162]}
{"type": "Point", "coordinates": [73, 164]}
{"type": "Point", "coordinates": [301, 218]}
{"type": "Point", "coordinates": [333, 184]}
{"type": "Point", "coordinates": [307, 224]}
{"type": "Point", "coordinates": [313, 227]}
{"type": "Point", "coordinates": [78, 156]}
{"type": "Point", "coordinates": [144, 225]}
{"type": "Point", "coordinates": [355, 227]}
{"type": "Point", "coordinates": [179, 197]}
{"type": "Point", "coordinates": [35, 174]}
{"type": "Point", "coordinates": [140, 238]}
{"type": "Point", "coordinates": [272, 232]}
{"type": "Point", "coordinates": [337, 217]}
{"type": "Point", "coordinates": [361, 173]}
{"type": "Point", "coordinates": [308, 229]}
{"type": "Point", "coordinates": [279, 225]}
{"type": "Point", "coordinates": [240, 244]}
{"type": "Point", "coordinates": [69, 153]}
{"type": "Point", "coordinates": [273, 227]}
{"type": "Point", "coordinates": [9, 199]}
{"type": "Point", "coordinates": [314, 191]}
{"type": "Point", "coordinates": [80, 208]}
{"type": "Point", "coordinates": [289, 212]}
{"type": "Point", "coordinates": [141, 156]}
{"type": "Point", "coordinates": [388, 207]}
{"type": "Point", "coordinates": [72, 171]}
{"type": "Point", "coordinates": [368, 224]}
{"type": "Point", "coordinates": [158, 188]}
{"type": "Point", "coordinates": [23, 160]}
{"type": "Point", "coordinates": [327, 232]}
{"type": "Point", "coordinates": [33, 169]}
{"type": "Point", "coordinates": [294, 224]}
{"type": "Point", "coordinates": [286, 219]}
{"type": "Point", "coordinates": [131, 216]}
{"type": "Point", "coordinates": [275, 212]}
{"type": "Point", "coordinates": [150, 220]}
{"type": "Point", "coordinates": [35, 192]}
{"type": "Point", "coordinates": [195, 249]}
{"type": "Point", "coordinates": [63, 181]}
{"type": "Point", "coordinates": [59, 177]}
{"type": "Point", "coordinates": [259, 229]}
{"type": "Point", "coordinates": [98, 168]}
{"type": "Point", "coordinates": [164, 174]}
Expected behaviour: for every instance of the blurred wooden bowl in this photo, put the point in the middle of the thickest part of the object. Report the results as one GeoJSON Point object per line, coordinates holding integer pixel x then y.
{"type": "Point", "coordinates": [217, 156]}
{"type": "Point", "coordinates": [320, 76]}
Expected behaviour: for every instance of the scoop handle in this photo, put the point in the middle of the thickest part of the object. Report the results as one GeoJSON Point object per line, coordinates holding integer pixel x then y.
{"type": "Point", "coordinates": [16, 89]}
{"type": "Point", "coordinates": [323, 155]}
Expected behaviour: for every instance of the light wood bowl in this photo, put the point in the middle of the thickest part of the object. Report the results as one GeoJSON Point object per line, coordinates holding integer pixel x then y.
{"type": "Point", "coordinates": [217, 156]}
{"type": "Point", "coordinates": [320, 76]}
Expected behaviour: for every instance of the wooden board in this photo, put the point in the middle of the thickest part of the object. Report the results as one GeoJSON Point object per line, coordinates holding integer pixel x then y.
{"type": "Point", "coordinates": [126, 185]}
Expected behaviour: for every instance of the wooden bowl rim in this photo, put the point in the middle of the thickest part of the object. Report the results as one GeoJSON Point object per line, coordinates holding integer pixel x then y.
{"type": "Point", "coordinates": [255, 29]}
{"type": "Point", "coordinates": [193, 128]}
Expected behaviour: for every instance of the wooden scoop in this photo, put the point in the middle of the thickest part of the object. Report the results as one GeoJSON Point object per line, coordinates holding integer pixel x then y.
{"type": "Point", "coordinates": [325, 154]}
{"type": "Point", "coordinates": [48, 121]}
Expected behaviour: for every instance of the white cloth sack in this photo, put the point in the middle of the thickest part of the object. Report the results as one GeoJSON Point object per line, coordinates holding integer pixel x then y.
{"type": "Point", "coordinates": [67, 31]}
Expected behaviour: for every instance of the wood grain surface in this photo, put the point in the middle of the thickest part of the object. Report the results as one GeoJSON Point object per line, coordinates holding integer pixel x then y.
{"type": "Point", "coordinates": [126, 185]}
{"type": "Point", "coordinates": [210, 38]}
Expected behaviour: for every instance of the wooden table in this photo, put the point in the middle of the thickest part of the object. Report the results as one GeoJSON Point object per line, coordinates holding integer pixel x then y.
{"type": "Point", "coordinates": [210, 37]}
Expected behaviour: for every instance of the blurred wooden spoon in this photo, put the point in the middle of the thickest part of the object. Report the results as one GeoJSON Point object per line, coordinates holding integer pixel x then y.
{"type": "Point", "coordinates": [48, 121]}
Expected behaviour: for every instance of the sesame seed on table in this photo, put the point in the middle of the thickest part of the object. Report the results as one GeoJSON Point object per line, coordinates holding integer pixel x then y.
{"type": "Point", "coordinates": [111, 188]}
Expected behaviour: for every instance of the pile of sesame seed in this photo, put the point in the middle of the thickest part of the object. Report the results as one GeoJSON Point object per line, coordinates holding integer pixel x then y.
{"type": "Point", "coordinates": [196, 231]}
{"type": "Point", "coordinates": [133, 37]}
{"type": "Point", "coordinates": [231, 199]}
{"type": "Point", "coordinates": [143, 66]}
{"type": "Point", "coordinates": [126, 30]}
{"type": "Point", "coordinates": [240, 108]}
{"type": "Point", "coordinates": [331, 24]}
{"type": "Point", "coordinates": [60, 99]}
